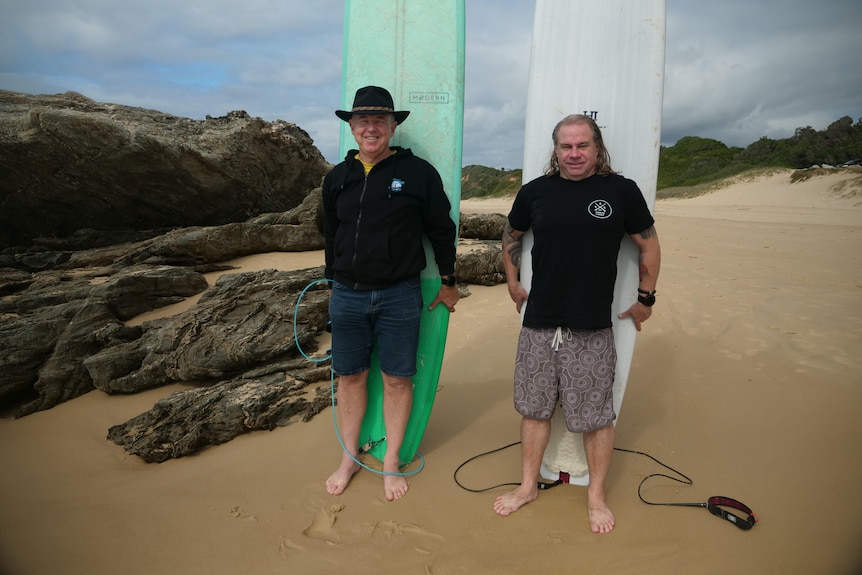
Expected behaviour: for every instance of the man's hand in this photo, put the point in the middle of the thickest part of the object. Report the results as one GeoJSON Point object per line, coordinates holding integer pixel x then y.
{"type": "Point", "coordinates": [518, 294]}
{"type": "Point", "coordinates": [638, 312]}
{"type": "Point", "coordinates": [448, 296]}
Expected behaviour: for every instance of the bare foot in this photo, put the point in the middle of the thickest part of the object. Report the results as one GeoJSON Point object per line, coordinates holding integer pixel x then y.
{"type": "Point", "coordinates": [340, 478]}
{"type": "Point", "coordinates": [514, 500]}
{"type": "Point", "coordinates": [395, 486]}
{"type": "Point", "coordinates": [601, 518]}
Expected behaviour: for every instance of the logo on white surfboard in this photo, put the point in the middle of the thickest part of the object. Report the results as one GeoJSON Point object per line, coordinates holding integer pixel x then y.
{"type": "Point", "coordinates": [594, 116]}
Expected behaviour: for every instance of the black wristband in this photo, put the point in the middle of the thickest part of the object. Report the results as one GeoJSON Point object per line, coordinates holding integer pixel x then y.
{"type": "Point", "coordinates": [647, 300]}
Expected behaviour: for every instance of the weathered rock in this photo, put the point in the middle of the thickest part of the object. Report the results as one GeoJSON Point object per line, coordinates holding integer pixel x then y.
{"type": "Point", "coordinates": [13, 280]}
{"type": "Point", "coordinates": [482, 226]}
{"type": "Point", "coordinates": [481, 263]}
{"type": "Point", "coordinates": [35, 261]}
{"type": "Point", "coordinates": [28, 342]}
{"type": "Point", "coordinates": [62, 376]}
{"type": "Point", "coordinates": [286, 232]}
{"type": "Point", "coordinates": [49, 328]}
{"type": "Point", "coordinates": [299, 229]}
{"type": "Point", "coordinates": [42, 363]}
{"type": "Point", "coordinates": [63, 308]}
{"type": "Point", "coordinates": [186, 421]}
{"type": "Point", "coordinates": [68, 163]}
{"type": "Point", "coordinates": [243, 322]}
{"type": "Point", "coordinates": [140, 289]}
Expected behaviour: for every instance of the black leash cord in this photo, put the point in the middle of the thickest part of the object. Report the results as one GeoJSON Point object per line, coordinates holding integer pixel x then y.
{"type": "Point", "coordinates": [455, 475]}
{"type": "Point", "coordinates": [543, 485]}
{"type": "Point", "coordinates": [713, 505]}
{"type": "Point", "coordinates": [686, 479]}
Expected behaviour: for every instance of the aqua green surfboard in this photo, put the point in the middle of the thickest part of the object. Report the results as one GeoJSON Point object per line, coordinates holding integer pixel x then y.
{"type": "Point", "coordinates": [414, 49]}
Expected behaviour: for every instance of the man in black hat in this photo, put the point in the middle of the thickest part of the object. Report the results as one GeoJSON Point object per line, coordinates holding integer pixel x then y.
{"type": "Point", "coordinates": [377, 204]}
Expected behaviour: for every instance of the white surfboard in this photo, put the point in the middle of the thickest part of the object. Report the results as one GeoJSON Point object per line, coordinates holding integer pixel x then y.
{"type": "Point", "coordinates": [603, 58]}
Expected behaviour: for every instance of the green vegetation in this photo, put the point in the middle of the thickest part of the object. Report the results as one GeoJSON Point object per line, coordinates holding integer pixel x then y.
{"type": "Point", "coordinates": [482, 182]}
{"type": "Point", "coordinates": [693, 165]}
{"type": "Point", "coordinates": [694, 161]}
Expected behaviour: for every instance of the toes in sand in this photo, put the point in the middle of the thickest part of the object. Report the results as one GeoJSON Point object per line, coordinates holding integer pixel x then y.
{"type": "Point", "coordinates": [514, 500]}
{"type": "Point", "coordinates": [601, 519]}
{"type": "Point", "coordinates": [340, 479]}
{"type": "Point", "coordinates": [395, 486]}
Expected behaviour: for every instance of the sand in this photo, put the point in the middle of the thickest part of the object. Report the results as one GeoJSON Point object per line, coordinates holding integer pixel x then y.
{"type": "Point", "coordinates": [748, 378]}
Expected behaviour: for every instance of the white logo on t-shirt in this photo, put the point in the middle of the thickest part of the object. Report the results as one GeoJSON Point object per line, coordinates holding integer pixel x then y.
{"type": "Point", "coordinates": [600, 209]}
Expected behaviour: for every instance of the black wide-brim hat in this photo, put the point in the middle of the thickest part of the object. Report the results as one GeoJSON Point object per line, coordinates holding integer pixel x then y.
{"type": "Point", "coordinates": [373, 100]}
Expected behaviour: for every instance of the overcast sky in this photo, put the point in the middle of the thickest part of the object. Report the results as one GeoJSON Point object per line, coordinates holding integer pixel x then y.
{"type": "Point", "coordinates": [736, 70]}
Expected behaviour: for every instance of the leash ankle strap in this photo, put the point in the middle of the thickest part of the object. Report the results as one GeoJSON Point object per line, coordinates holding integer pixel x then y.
{"type": "Point", "coordinates": [714, 505]}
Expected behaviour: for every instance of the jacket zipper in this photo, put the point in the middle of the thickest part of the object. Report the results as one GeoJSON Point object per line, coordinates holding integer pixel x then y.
{"type": "Point", "coordinates": [358, 222]}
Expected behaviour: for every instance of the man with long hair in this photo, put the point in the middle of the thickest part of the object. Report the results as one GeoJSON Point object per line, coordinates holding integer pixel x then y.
{"type": "Point", "coordinates": [579, 211]}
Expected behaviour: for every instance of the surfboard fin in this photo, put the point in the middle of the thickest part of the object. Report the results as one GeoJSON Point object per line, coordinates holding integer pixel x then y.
{"type": "Point", "coordinates": [371, 444]}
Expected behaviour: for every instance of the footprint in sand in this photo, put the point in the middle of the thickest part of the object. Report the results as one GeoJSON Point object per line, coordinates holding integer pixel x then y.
{"type": "Point", "coordinates": [423, 541]}
{"type": "Point", "coordinates": [322, 526]}
{"type": "Point", "coordinates": [241, 513]}
{"type": "Point", "coordinates": [287, 546]}
{"type": "Point", "coordinates": [393, 528]}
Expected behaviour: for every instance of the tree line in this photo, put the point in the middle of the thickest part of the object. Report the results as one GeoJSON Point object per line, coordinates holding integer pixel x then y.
{"type": "Point", "coordinates": [693, 160]}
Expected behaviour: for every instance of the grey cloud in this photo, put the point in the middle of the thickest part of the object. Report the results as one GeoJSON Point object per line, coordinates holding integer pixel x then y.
{"type": "Point", "coordinates": [736, 70]}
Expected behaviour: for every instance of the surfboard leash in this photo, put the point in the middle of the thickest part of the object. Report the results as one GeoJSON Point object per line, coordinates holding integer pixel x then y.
{"type": "Point", "coordinates": [371, 443]}
{"type": "Point", "coordinates": [296, 321]}
{"type": "Point", "coordinates": [368, 445]}
{"type": "Point", "coordinates": [541, 484]}
{"type": "Point", "coordinates": [482, 490]}
{"type": "Point", "coordinates": [714, 504]}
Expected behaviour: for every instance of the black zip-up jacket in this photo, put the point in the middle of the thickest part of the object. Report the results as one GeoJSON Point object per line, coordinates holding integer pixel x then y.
{"type": "Point", "coordinates": [374, 224]}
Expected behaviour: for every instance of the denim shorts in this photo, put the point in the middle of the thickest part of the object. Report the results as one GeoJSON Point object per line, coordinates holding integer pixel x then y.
{"type": "Point", "coordinates": [386, 317]}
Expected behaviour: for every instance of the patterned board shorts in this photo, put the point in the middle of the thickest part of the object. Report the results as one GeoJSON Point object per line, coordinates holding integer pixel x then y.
{"type": "Point", "coordinates": [572, 367]}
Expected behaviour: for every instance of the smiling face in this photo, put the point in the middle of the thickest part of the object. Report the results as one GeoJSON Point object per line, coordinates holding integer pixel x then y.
{"type": "Point", "coordinates": [576, 151]}
{"type": "Point", "coordinates": [372, 133]}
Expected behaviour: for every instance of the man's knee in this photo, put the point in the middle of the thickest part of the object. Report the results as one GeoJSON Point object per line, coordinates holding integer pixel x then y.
{"type": "Point", "coordinates": [397, 383]}
{"type": "Point", "coordinates": [353, 380]}
{"type": "Point", "coordinates": [602, 432]}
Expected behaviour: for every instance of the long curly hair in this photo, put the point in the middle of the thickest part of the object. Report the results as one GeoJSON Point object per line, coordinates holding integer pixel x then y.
{"type": "Point", "coordinates": [603, 163]}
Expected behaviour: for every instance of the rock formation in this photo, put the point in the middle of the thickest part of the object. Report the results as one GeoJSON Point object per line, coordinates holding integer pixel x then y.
{"type": "Point", "coordinates": [69, 164]}
{"type": "Point", "coordinates": [65, 299]}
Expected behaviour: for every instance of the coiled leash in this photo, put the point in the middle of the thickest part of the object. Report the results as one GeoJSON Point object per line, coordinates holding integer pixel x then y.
{"type": "Point", "coordinates": [296, 321]}
{"type": "Point", "coordinates": [714, 504]}
{"type": "Point", "coordinates": [371, 443]}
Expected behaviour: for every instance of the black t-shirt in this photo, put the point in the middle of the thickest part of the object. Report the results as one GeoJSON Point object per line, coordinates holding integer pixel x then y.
{"type": "Point", "coordinates": [577, 229]}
